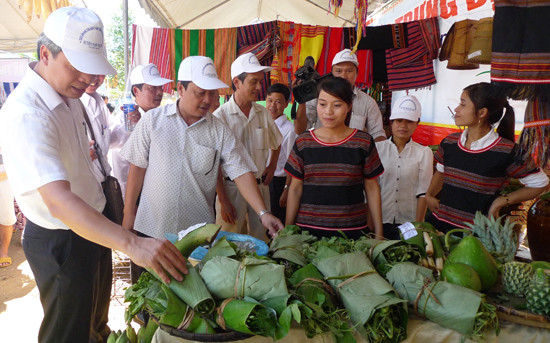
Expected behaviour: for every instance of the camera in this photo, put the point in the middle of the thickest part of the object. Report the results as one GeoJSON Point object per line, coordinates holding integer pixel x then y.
{"type": "Point", "coordinates": [307, 89]}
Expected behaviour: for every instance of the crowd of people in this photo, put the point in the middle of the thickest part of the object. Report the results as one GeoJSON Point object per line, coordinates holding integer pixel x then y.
{"type": "Point", "coordinates": [241, 165]}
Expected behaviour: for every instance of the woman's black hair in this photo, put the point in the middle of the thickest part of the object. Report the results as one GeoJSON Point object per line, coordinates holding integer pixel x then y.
{"type": "Point", "coordinates": [483, 95]}
{"type": "Point", "coordinates": [339, 88]}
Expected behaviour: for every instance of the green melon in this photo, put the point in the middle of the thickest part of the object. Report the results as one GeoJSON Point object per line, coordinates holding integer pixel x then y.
{"type": "Point", "coordinates": [461, 274]}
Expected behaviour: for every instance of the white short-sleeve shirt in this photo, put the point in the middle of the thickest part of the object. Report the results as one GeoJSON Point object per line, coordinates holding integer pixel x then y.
{"type": "Point", "coordinates": [258, 133]}
{"type": "Point", "coordinates": [407, 175]}
{"type": "Point", "coordinates": [182, 168]}
{"type": "Point", "coordinates": [95, 108]}
{"type": "Point", "coordinates": [289, 137]}
{"type": "Point", "coordinates": [365, 115]}
{"type": "Point", "coordinates": [44, 140]}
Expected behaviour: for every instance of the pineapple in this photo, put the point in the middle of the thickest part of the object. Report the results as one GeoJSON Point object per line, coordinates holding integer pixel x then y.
{"type": "Point", "coordinates": [517, 277]}
{"type": "Point", "coordinates": [538, 294]}
{"type": "Point", "coordinates": [499, 239]}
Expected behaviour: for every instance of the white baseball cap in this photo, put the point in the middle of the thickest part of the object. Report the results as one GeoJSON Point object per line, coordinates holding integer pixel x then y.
{"type": "Point", "coordinates": [247, 63]}
{"type": "Point", "coordinates": [201, 71]}
{"type": "Point", "coordinates": [345, 56]}
{"type": "Point", "coordinates": [78, 32]}
{"type": "Point", "coordinates": [147, 73]}
{"type": "Point", "coordinates": [407, 107]}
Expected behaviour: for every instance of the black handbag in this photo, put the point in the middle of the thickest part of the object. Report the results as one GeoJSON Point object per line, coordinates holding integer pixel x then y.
{"type": "Point", "coordinates": [114, 205]}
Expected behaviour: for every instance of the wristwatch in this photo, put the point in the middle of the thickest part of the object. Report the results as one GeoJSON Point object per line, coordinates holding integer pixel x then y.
{"type": "Point", "coordinates": [262, 212]}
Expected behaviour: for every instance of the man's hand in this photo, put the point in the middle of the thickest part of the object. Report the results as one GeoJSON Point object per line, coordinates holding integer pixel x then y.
{"type": "Point", "coordinates": [433, 203]}
{"type": "Point", "coordinates": [272, 223]}
{"type": "Point", "coordinates": [283, 198]}
{"type": "Point", "coordinates": [268, 173]}
{"type": "Point", "coordinates": [228, 212]}
{"type": "Point", "coordinates": [161, 256]}
{"type": "Point", "coordinates": [134, 116]}
{"type": "Point", "coordinates": [93, 152]}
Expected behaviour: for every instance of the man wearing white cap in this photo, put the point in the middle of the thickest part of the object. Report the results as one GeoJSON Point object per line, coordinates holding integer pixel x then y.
{"type": "Point", "coordinates": [365, 113]}
{"type": "Point", "coordinates": [255, 129]}
{"type": "Point", "coordinates": [146, 86]}
{"type": "Point", "coordinates": [408, 169]}
{"type": "Point", "coordinates": [46, 156]}
{"type": "Point", "coordinates": [185, 134]}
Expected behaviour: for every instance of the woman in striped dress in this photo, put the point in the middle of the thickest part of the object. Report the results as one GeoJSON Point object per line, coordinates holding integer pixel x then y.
{"type": "Point", "coordinates": [332, 169]}
{"type": "Point", "coordinates": [475, 165]}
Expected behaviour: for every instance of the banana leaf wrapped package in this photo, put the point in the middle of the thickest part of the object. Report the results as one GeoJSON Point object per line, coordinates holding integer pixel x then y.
{"type": "Point", "coordinates": [247, 316]}
{"type": "Point", "coordinates": [374, 307]}
{"type": "Point", "coordinates": [153, 296]}
{"type": "Point", "coordinates": [259, 279]}
{"type": "Point", "coordinates": [385, 254]}
{"type": "Point", "coordinates": [320, 313]}
{"type": "Point", "coordinates": [288, 245]}
{"type": "Point", "coordinates": [192, 290]}
{"type": "Point", "coordinates": [452, 306]}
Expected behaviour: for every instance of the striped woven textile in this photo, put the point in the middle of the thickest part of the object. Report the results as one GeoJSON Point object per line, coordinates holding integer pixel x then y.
{"type": "Point", "coordinates": [520, 61]}
{"type": "Point", "coordinates": [333, 177]}
{"type": "Point", "coordinates": [384, 37]}
{"type": "Point", "coordinates": [534, 141]}
{"type": "Point", "coordinates": [286, 60]}
{"type": "Point", "coordinates": [332, 44]}
{"type": "Point", "coordinates": [219, 44]}
{"type": "Point", "coordinates": [410, 68]}
{"type": "Point", "coordinates": [312, 40]}
{"type": "Point", "coordinates": [160, 56]}
{"type": "Point", "coordinates": [364, 57]}
{"type": "Point", "coordinates": [473, 179]}
{"type": "Point", "coordinates": [262, 40]}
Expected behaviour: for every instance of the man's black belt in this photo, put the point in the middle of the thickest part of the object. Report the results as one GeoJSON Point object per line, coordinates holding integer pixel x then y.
{"type": "Point", "coordinates": [258, 181]}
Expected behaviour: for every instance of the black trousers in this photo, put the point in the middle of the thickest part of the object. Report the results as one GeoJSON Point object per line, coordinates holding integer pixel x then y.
{"type": "Point", "coordinates": [66, 268]}
{"type": "Point", "coordinates": [276, 188]}
{"type": "Point", "coordinates": [102, 294]}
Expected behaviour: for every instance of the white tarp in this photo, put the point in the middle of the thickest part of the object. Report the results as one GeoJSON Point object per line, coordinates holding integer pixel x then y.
{"type": "Point", "coordinates": [213, 14]}
{"type": "Point", "coordinates": [16, 34]}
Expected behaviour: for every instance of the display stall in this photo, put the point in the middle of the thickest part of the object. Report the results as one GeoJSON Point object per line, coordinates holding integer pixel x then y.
{"type": "Point", "coordinates": [418, 331]}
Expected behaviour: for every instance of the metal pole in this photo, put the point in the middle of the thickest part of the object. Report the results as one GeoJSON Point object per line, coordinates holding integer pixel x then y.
{"type": "Point", "coordinates": [125, 23]}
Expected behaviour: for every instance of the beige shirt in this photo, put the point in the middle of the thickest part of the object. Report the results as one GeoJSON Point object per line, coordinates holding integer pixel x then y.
{"type": "Point", "coordinates": [258, 133]}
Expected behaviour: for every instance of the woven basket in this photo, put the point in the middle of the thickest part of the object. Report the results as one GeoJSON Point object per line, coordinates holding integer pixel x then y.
{"type": "Point", "coordinates": [229, 336]}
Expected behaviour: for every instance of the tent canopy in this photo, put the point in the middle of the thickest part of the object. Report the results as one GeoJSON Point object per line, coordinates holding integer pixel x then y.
{"type": "Point", "coordinates": [16, 34]}
{"type": "Point", "coordinates": [212, 14]}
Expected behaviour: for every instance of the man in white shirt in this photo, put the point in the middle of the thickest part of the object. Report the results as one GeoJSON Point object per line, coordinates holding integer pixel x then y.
{"type": "Point", "coordinates": [46, 156]}
{"type": "Point", "coordinates": [365, 113]}
{"type": "Point", "coordinates": [97, 113]}
{"type": "Point", "coordinates": [146, 86]}
{"type": "Point", "coordinates": [186, 134]}
{"type": "Point", "coordinates": [255, 129]}
{"type": "Point", "coordinates": [278, 96]}
{"type": "Point", "coordinates": [408, 169]}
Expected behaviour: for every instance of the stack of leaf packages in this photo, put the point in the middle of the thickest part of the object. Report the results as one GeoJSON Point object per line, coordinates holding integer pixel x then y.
{"type": "Point", "coordinates": [313, 303]}
{"type": "Point", "coordinates": [240, 286]}
{"type": "Point", "coordinates": [378, 314]}
{"type": "Point", "coordinates": [151, 295]}
{"type": "Point", "coordinates": [452, 306]}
